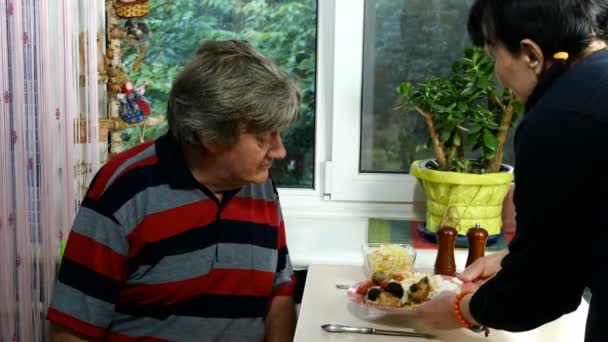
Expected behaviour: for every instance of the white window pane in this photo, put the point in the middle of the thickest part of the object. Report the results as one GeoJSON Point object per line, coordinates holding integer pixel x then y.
{"type": "Point", "coordinates": [406, 40]}
{"type": "Point", "coordinates": [285, 30]}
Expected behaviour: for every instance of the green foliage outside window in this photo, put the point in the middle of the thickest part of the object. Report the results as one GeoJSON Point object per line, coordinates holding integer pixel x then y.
{"type": "Point", "coordinates": [285, 30]}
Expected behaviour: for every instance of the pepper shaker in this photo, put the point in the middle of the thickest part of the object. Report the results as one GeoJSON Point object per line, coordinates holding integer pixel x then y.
{"type": "Point", "coordinates": [477, 238]}
{"type": "Point", "coordinates": [445, 264]}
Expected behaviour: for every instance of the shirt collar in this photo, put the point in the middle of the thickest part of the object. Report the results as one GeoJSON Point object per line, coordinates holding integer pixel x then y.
{"type": "Point", "coordinates": [172, 162]}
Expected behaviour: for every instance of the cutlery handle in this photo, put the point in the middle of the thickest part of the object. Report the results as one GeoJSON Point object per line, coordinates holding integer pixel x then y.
{"type": "Point", "coordinates": [345, 329]}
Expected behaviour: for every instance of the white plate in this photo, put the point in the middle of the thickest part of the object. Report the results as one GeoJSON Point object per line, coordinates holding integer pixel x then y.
{"type": "Point", "coordinates": [359, 299]}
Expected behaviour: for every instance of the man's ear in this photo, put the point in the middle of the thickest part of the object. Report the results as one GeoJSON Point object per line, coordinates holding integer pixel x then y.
{"type": "Point", "coordinates": [212, 148]}
{"type": "Point", "coordinates": [533, 56]}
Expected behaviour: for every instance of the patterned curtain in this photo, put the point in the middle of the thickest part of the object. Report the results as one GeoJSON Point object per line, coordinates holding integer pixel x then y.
{"type": "Point", "coordinates": [49, 96]}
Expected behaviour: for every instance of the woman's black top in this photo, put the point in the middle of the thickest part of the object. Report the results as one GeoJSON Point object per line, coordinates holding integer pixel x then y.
{"type": "Point", "coordinates": [561, 201]}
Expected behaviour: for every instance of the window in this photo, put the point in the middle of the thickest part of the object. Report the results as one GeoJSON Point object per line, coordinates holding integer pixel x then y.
{"type": "Point", "coordinates": [391, 42]}
{"type": "Point", "coordinates": [349, 56]}
{"type": "Point", "coordinates": [403, 40]}
{"type": "Point", "coordinates": [285, 30]}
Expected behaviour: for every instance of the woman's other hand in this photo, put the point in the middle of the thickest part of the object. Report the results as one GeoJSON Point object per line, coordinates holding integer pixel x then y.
{"type": "Point", "coordinates": [438, 313]}
{"type": "Point", "coordinates": [481, 270]}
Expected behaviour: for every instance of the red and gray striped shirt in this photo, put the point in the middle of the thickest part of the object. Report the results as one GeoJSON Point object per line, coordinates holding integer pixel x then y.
{"type": "Point", "coordinates": [154, 256]}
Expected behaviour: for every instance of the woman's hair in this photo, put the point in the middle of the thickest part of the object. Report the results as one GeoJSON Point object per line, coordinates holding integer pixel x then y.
{"type": "Point", "coordinates": [228, 86]}
{"type": "Point", "coordinates": [555, 25]}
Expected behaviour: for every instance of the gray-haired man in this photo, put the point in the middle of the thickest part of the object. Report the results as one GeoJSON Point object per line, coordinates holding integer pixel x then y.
{"type": "Point", "coordinates": [182, 238]}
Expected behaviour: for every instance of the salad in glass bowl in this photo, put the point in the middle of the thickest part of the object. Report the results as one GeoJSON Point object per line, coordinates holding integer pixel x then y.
{"type": "Point", "coordinates": [389, 258]}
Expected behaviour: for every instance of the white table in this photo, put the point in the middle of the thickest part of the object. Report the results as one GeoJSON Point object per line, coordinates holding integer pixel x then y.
{"type": "Point", "coordinates": [322, 303]}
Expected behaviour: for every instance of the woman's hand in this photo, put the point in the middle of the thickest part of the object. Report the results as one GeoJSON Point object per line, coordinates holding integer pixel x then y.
{"type": "Point", "coordinates": [439, 313]}
{"type": "Point", "coordinates": [481, 270]}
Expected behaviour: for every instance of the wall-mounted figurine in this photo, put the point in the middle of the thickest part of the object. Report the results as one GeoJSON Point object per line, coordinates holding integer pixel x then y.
{"type": "Point", "coordinates": [137, 29]}
{"type": "Point", "coordinates": [116, 78]}
{"type": "Point", "coordinates": [127, 9]}
{"type": "Point", "coordinates": [134, 106]}
{"type": "Point", "coordinates": [117, 32]}
{"type": "Point", "coordinates": [139, 32]}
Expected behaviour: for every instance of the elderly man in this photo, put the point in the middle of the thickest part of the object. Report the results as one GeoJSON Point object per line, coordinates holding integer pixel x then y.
{"type": "Point", "coordinates": [182, 238]}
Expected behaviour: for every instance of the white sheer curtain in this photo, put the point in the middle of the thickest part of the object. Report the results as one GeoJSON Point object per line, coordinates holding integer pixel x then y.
{"type": "Point", "coordinates": [43, 104]}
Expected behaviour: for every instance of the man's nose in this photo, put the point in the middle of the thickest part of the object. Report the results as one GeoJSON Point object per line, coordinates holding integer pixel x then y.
{"type": "Point", "coordinates": [278, 149]}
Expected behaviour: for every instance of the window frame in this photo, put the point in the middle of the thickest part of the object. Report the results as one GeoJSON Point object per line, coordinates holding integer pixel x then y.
{"type": "Point", "coordinates": [340, 190]}
{"type": "Point", "coordinates": [323, 98]}
{"type": "Point", "coordinates": [348, 183]}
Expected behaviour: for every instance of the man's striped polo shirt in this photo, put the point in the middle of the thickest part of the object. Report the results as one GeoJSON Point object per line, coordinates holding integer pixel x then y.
{"type": "Point", "coordinates": [153, 254]}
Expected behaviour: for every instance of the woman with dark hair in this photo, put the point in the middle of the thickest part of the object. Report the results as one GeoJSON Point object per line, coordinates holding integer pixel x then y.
{"type": "Point", "coordinates": [552, 55]}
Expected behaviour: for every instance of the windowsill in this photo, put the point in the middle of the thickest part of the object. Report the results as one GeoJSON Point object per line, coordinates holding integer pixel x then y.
{"type": "Point", "coordinates": [332, 232]}
{"type": "Point", "coordinates": [309, 204]}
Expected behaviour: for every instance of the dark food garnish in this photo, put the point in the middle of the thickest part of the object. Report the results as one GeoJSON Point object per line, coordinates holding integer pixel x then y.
{"type": "Point", "coordinates": [373, 293]}
{"type": "Point", "coordinates": [395, 289]}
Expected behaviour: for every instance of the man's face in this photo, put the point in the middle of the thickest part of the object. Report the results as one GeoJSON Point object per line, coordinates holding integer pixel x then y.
{"type": "Point", "coordinates": [250, 158]}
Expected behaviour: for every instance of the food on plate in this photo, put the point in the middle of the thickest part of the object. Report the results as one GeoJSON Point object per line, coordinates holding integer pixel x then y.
{"type": "Point", "coordinates": [403, 289]}
{"type": "Point", "coordinates": [373, 293]}
{"type": "Point", "coordinates": [395, 289]}
{"type": "Point", "coordinates": [379, 277]}
{"type": "Point", "coordinates": [419, 291]}
{"type": "Point", "coordinates": [390, 259]}
{"type": "Point", "coordinates": [388, 299]}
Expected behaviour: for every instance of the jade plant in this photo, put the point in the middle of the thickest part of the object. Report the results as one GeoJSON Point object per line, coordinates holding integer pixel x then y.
{"type": "Point", "coordinates": [466, 110]}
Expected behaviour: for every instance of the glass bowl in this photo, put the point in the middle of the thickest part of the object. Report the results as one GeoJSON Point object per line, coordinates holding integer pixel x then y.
{"type": "Point", "coordinates": [388, 257]}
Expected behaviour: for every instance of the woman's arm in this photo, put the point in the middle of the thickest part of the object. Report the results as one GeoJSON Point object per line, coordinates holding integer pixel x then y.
{"type": "Point", "coordinates": [545, 272]}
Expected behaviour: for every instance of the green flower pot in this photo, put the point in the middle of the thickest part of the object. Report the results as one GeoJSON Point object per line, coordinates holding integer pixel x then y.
{"type": "Point", "coordinates": [462, 199]}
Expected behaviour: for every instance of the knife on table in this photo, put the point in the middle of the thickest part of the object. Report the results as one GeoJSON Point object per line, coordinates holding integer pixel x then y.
{"type": "Point", "coordinates": [336, 328]}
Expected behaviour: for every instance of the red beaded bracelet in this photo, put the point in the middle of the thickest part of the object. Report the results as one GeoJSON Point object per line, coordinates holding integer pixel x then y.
{"type": "Point", "coordinates": [461, 318]}
{"type": "Point", "coordinates": [457, 311]}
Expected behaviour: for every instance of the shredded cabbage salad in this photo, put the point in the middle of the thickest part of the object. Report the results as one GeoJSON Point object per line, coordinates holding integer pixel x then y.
{"type": "Point", "coordinates": [389, 258]}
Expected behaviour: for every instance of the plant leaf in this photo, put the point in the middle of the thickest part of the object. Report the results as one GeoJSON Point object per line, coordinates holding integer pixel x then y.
{"type": "Point", "coordinates": [470, 89]}
{"type": "Point", "coordinates": [489, 140]}
{"type": "Point", "coordinates": [471, 138]}
{"type": "Point", "coordinates": [445, 135]}
{"type": "Point", "coordinates": [475, 129]}
{"type": "Point", "coordinates": [405, 89]}
{"type": "Point", "coordinates": [457, 140]}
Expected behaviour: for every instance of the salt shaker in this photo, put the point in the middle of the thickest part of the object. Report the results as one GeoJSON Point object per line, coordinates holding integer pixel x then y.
{"type": "Point", "coordinates": [445, 263]}
{"type": "Point", "coordinates": [477, 238]}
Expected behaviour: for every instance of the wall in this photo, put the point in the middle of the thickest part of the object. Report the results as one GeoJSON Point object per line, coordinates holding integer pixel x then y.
{"type": "Point", "coordinates": [332, 232]}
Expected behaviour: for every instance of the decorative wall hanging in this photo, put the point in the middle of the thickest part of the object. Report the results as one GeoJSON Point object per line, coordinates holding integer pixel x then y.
{"type": "Point", "coordinates": [116, 78]}
{"type": "Point", "coordinates": [127, 9]}
{"type": "Point", "coordinates": [137, 29]}
{"type": "Point", "coordinates": [139, 32]}
{"type": "Point", "coordinates": [128, 106]}
{"type": "Point", "coordinates": [134, 106]}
